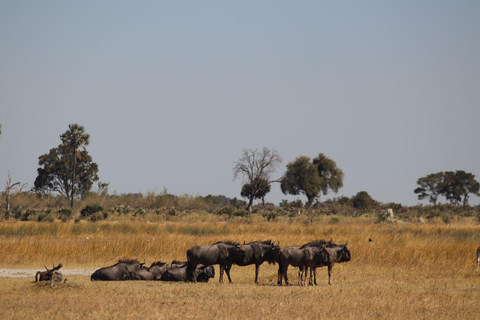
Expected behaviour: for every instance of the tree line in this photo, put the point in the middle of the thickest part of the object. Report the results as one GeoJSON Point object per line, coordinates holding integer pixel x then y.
{"type": "Point", "coordinates": [69, 170]}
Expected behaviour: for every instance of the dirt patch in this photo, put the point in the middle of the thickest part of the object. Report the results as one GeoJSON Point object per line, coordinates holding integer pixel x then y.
{"type": "Point", "coordinates": [27, 273]}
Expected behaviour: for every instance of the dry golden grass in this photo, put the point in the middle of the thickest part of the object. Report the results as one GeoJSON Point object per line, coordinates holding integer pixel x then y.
{"type": "Point", "coordinates": [407, 272]}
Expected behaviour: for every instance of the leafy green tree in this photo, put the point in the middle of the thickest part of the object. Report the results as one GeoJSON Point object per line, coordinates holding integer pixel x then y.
{"type": "Point", "coordinates": [67, 169]}
{"type": "Point", "coordinates": [312, 178]}
{"type": "Point", "coordinates": [75, 138]}
{"type": "Point", "coordinates": [362, 200]}
{"type": "Point", "coordinates": [458, 185]}
{"type": "Point", "coordinates": [258, 190]}
{"type": "Point", "coordinates": [430, 187]}
{"type": "Point", "coordinates": [254, 166]}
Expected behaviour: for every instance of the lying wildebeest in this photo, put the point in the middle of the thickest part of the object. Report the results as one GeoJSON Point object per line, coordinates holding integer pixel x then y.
{"type": "Point", "coordinates": [178, 272]}
{"type": "Point", "coordinates": [338, 253]}
{"type": "Point", "coordinates": [257, 252]}
{"type": "Point", "coordinates": [155, 272]}
{"type": "Point", "coordinates": [51, 274]}
{"type": "Point", "coordinates": [122, 270]}
{"type": "Point", "coordinates": [295, 256]}
{"type": "Point", "coordinates": [221, 253]}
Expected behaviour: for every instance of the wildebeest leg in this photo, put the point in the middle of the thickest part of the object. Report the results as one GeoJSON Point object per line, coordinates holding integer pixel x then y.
{"type": "Point", "coordinates": [330, 267]}
{"type": "Point", "coordinates": [284, 274]}
{"type": "Point", "coordinates": [222, 268]}
{"type": "Point", "coordinates": [315, 276]}
{"type": "Point", "coordinates": [257, 269]}
{"type": "Point", "coordinates": [279, 277]}
{"type": "Point", "coordinates": [227, 271]}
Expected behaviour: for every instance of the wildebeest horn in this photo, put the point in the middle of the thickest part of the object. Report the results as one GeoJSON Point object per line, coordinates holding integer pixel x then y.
{"type": "Point", "coordinates": [345, 245]}
{"type": "Point", "coordinates": [243, 242]}
{"type": "Point", "coordinates": [45, 267]}
{"type": "Point", "coordinates": [278, 242]}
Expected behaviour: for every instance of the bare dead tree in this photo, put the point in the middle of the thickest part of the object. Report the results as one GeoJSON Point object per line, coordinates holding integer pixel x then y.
{"type": "Point", "coordinates": [255, 165]}
{"type": "Point", "coordinates": [9, 187]}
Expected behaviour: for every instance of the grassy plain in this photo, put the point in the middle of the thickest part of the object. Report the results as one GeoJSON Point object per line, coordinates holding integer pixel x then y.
{"type": "Point", "coordinates": [408, 271]}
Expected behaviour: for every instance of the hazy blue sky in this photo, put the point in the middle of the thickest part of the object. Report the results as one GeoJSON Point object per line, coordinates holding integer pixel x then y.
{"type": "Point", "coordinates": [172, 91]}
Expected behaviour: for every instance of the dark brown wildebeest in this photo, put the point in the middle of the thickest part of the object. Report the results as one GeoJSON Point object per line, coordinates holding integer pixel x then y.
{"type": "Point", "coordinates": [122, 270]}
{"type": "Point", "coordinates": [221, 253]}
{"type": "Point", "coordinates": [153, 273]}
{"type": "Point", "coordinates": [256, 253]}
{"type": "Point", "coordinates": [50, 274]}
{"type": "Point", "coordinates": [337, 253]}
{"type": "Point", "coordinates": [178, 272]}
{"type": "Point", "coordinates": [294, 256]}
{"type": "Point", "coordinates": [478, 257]}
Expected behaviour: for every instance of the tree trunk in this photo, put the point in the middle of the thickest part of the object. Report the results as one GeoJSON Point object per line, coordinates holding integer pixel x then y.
{"type": "Point", "coordinates": [250, 204]}
{"type": "Point", "coordinates": [73, 176]}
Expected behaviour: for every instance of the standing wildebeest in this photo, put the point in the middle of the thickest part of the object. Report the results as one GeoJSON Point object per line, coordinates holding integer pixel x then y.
{"type": "Point", "coordinates": [153, 273]}
{"type": "Point", "coordinates": [338, 253]}
{"type": "Point", "coordinates": [123, 270]}
{"type": "Point", "coordinates": [221, 253]}
{"type": "Point", "coordinates": [257, 252]}
{"type": "Point", "coordinates": [295, 256]}
{"type": "Point", "coordinates": [178, 272]}
{"type": "Point", "coordinates": [50, 274]}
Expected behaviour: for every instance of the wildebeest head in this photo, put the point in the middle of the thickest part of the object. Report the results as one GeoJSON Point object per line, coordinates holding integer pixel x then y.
{"type": "Point", "coordinates": [344, 254]}
{"type": "Point", "coordinates": [157, 269]}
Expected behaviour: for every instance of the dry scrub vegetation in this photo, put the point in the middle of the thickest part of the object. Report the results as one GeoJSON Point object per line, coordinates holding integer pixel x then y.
{"type": "Point", "coordinates": [408, 271]}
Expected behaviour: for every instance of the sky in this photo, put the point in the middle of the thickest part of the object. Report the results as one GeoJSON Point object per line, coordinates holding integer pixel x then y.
{"type": "Point", "coordinates": [171, 92]}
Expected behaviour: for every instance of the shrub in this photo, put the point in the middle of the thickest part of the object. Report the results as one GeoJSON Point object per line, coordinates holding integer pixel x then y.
{"type": "Point", "coordinates": [65, 214]}
{"type": "Point", "coordinates": [96, 216]}
{"type": "Point", "coordinates": [446, 217]}
{"type": "Point", "coordinates": [17, 212]}
{"type": "Point", "coordinates": [229, 211]}
{"type": "Point", "coordinates": [90, 209]}
{"type": "Point", "coordinates": [334, 220]}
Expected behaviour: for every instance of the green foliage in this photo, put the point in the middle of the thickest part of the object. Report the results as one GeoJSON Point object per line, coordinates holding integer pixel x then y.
{"type": "Point", "coordinates": [362, 200]}
{"type": "Point", "coordinates": [90, 210]}
{"type": "Point", "coordinates": [257, 189]}
{"type": "Point", "coordinates": [65, 214]}
{"type": "Point", "coordinates": [55, 172]}
{"type": "Point", "coordinates": [312, 178]}
{"type": "Point", "coordinates": [454, 186]}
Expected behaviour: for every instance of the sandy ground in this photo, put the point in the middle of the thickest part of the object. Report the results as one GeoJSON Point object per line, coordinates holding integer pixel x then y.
{"type": "Point", "coordinates": [30, 273]}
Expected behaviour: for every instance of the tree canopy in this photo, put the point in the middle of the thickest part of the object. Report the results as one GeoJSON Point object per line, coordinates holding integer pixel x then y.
{"type": "Point", "coordinates": [66, 169]}
{"type": "Point", "coordinates": [256, 167]}
{"type": "Point", "coordinates": [454, 186]}
{"type": "Point", "coordinates": [312, 178]}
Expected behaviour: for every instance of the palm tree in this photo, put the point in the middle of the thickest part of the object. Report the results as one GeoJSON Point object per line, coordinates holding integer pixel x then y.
{"type": "Point", "coordinates": [75, 137]}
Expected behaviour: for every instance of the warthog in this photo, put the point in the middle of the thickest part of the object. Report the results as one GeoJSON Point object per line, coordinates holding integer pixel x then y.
{"type": "Point", "coordinates": [221, 253]}
{"type": "Point", "coordinates": [155, 272]}
{"type": "Point", "coordinates": [256, 253]}
{"type": "Point", "coordinates": [295, 256]}
{"type": "Point", "coordinates": [51, 274]}
{"type": "Point", "coordinates": [337, 253]}
{"type": "Point", "coordinates": [123, 270]}
{"type": "Point", "coordinates": [178, 272]}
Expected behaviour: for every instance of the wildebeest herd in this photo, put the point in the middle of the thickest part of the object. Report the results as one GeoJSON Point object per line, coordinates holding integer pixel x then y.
{"type": "Point", "coordinates": [202, 258]}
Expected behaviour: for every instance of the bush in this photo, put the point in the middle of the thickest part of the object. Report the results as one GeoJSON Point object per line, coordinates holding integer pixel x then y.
{"type": "Point", "coordinates": [96, 216]}
{"type": "Point", "coordinates": [90, 209]}
{"type": "Point", "coordinates": [45, 217]}
{"type": "Point", "coordinates": [65, 214]}
{"type": "Point", "coordinates": [229, 211]}
{"type": "Point", "coordinates": [17, 212]}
